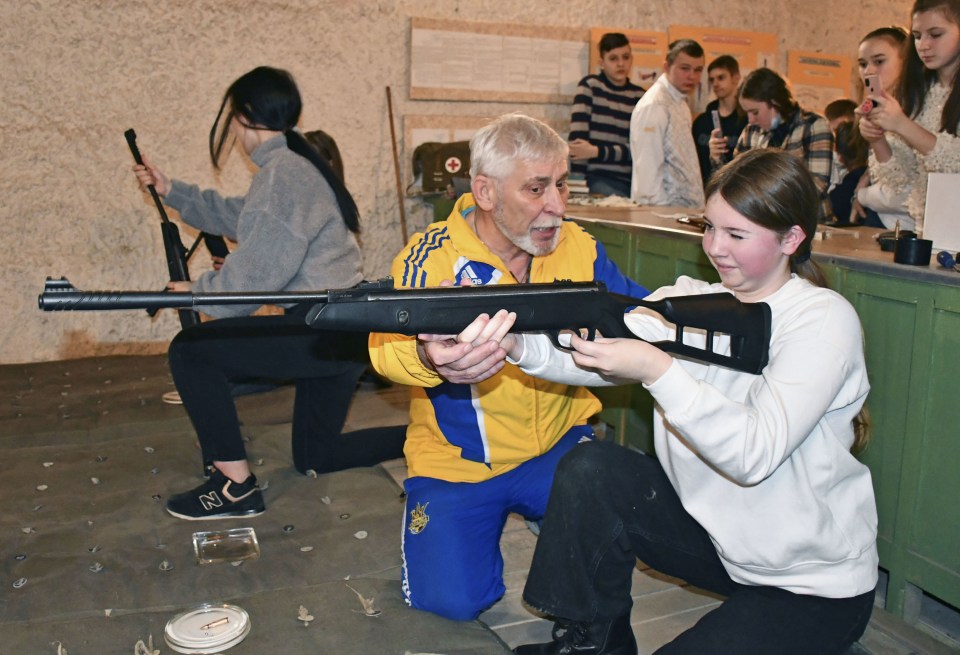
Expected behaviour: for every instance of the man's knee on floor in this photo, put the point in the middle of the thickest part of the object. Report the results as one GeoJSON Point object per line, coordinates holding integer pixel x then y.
{"type": "Point", "coordinates": [452, 592]}
{"type": "Point", "coordinates": [452, 605]}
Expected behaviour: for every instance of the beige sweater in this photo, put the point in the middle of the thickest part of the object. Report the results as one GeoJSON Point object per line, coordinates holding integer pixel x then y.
{"type": "Point", "coordinates": [905, 173]}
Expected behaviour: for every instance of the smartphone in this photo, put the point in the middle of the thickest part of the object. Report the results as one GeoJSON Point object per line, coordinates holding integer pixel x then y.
{"type": "Point", "coordinates": [872, 85]}
{"type": "Point", "coordinates": [716, 121]}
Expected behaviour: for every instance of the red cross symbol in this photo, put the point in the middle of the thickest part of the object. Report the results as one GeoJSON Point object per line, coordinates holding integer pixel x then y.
{"type": "Point", "coordinates": [452, 164]}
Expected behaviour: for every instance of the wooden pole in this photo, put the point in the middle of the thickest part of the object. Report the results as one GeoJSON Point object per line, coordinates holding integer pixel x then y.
{"type": "Point", "coordinates": [396, 170]}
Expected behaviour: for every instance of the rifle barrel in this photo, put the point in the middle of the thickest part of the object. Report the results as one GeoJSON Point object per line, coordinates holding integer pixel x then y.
{"type": "Point", "coordinates": [59, 295]}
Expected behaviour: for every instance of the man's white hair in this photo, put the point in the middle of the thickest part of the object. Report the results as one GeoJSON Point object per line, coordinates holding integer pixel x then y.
{"type": "Point", "coordinates": [513, 137]}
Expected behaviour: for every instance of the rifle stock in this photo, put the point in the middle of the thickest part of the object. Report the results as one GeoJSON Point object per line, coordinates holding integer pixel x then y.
{"type": "Point", "coordinates": [553, 308]}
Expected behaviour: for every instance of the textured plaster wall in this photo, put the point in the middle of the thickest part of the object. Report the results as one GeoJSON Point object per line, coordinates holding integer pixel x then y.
{"type": "Point", "coordinates": [75, 75]}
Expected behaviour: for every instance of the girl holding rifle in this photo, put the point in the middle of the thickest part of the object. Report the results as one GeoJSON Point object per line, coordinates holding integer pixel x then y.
{"type": "Point", "coordinates": [296, 229]}
{"type": "Point", "coordinates": [754, 493]}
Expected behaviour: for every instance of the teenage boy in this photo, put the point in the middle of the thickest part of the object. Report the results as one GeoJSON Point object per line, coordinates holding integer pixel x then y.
{"type": "Point", "coordinates": [600, 122]}
{"type": "Point", "coordinates": [724, 75]}
{"type": "Point", "coordinates": [665, 168]}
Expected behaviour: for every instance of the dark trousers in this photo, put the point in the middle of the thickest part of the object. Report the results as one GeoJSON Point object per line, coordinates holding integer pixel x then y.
{"type": "Point", "coordinates": [325, 366]}
{"type": "Point", "coordinates": [610, 506]}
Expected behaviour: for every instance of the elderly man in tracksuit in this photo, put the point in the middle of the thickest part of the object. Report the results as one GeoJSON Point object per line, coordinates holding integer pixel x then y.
{"type": "Point", "coordinates": [482, 446]}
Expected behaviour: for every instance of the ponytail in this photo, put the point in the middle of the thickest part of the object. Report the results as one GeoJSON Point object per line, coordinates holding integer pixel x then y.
{"type": "Point", "coordinates": [268, 99]}
{"type": "Point", "coordinates": [348, 208]}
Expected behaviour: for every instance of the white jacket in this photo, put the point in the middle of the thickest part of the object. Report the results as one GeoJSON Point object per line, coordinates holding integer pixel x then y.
{"type": "Point", "coordinates": [763, 462]}
{"type": "Point", "coordinates": [666, 170]}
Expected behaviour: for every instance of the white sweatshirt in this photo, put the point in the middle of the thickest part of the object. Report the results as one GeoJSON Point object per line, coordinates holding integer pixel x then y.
{"type": "Point", "coordinates": [763, 462]}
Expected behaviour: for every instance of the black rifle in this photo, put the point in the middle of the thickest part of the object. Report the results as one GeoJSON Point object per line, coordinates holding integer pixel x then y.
{"type": "Point", "coordinates": [177, 255]}
{"type": "Point", "coordinates": [173, 247]}
{"type": "Point", "coordinates": [379, 307]}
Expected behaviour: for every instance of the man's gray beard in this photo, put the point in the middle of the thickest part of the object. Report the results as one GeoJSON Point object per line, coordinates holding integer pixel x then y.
{"type": "Point", "coordinates": [523, 241]}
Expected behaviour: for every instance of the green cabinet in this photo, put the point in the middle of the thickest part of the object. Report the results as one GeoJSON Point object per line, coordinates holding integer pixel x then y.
{"type": "Point", "coordinates": [911, 326]}
{"type": "Point", "coordinates": [912, 335]}
{"type": "Point", "coordinates": [626, 409]}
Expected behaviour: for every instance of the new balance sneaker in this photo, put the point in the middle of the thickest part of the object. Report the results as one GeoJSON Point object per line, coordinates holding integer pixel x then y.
{"type": "Point", "coordinates": [218, 498]}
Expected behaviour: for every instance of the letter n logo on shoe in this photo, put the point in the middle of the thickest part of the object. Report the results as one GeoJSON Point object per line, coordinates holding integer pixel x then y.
{"type": "Point", "coordinates": [210, 500]}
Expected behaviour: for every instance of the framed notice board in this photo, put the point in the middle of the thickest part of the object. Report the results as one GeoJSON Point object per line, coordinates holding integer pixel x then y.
{"type": "Point", "coordinates": [819, 78]}
{"type": "Point", "coordinates": [494, 62]}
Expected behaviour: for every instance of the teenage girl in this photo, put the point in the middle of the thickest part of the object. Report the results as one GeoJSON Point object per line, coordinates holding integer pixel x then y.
{"type": "Point", "coordinates": [776, 120]}
{"type": "Point", "coordinates": [880, 55]}
{"type": "Point", "coordinates": [295, 230]}
{"type": "Point", "coordinates": [754, 493]}
{"type": "Point", "coordinates": [914, 132]}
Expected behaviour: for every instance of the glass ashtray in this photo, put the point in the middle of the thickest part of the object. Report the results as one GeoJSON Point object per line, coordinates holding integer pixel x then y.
{"type": "Point", "coordinates": [233, 545]}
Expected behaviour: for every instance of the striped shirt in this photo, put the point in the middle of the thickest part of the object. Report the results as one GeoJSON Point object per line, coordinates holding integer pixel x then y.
{"type": "Point", "coordinates": [601, 115]}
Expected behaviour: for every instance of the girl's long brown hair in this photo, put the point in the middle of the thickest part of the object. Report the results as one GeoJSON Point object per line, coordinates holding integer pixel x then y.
{"type": "Point", "coordinates": [774, 189]}
{"type": "Point", "coordinates": [916, 79]}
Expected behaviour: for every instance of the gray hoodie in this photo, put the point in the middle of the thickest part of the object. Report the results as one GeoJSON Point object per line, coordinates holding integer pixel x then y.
{"type": "Point", "coordinates": [289, 232]}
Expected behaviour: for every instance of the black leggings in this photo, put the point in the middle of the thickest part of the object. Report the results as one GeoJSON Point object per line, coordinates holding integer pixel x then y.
{"type": "Point", "coordinates": [609, 506]}
{"type": "Point", "coordinates": [325, 365]}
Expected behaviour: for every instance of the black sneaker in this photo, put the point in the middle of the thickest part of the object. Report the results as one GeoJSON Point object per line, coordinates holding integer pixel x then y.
{"type": "Point", "coordinates": [601, 638]}
{"type": "Point", "coordinates": [218, 498]}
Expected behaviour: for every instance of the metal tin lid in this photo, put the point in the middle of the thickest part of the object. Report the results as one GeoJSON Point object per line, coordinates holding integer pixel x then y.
{"type": "Point", "coordinates": [208, 628]}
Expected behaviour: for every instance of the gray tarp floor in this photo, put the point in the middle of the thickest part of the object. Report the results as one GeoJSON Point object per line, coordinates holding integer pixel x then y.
{"type": "Point", "coordinates": [92, 562]}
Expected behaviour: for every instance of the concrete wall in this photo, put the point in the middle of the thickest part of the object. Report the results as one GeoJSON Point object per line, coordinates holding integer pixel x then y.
{"type": "Point", "coordinates": [77, 74]}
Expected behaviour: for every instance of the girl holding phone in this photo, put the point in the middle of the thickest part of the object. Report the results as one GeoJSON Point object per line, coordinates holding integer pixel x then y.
{"type": "Point", "coordinates": [879, 62]}
{"type": "Point", "coordinates": [914, 132]}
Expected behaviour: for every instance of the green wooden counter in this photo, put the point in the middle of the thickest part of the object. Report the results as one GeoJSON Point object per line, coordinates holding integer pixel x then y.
{"type": "Point", "coordinates": [911, 323]}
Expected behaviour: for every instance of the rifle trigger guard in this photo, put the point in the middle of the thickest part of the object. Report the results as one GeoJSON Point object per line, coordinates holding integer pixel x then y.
{"type": "Point", "coordinates": [555, 337]}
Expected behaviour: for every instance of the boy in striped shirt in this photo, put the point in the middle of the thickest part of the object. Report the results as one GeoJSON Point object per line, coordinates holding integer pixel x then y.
{"type": "Point", "coordinates": [600, 122]}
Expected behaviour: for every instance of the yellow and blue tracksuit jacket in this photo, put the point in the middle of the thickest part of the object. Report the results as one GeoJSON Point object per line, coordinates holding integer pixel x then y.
{"type": "Point", "coordinates": [470, 433]}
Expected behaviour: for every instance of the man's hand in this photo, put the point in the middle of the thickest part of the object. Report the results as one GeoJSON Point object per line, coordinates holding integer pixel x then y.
{"type": "Point", "coordinates": [582, 150]}
{"type": "Point", "coordinates": [461, 363]}
{"type": "Point", "coordinates": [473, 355]}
